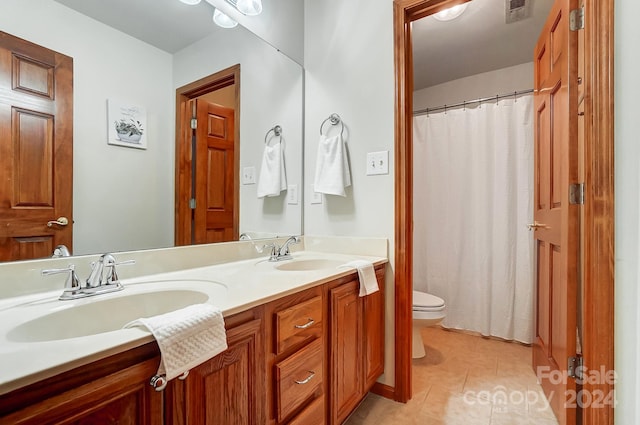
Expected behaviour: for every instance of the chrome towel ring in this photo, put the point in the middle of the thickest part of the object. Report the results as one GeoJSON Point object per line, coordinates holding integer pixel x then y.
{"type": "Point", "coordinates": [277, 131]}
{"type": "Point", "coordinates": [334, 119]}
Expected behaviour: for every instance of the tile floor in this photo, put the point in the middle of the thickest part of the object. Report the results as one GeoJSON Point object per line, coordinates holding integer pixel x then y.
{"type": "Point", "coordinates": [465, 380]}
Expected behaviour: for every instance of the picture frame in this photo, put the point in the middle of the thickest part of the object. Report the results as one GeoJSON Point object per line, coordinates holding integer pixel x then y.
{"type": "Point", "coordinates": [127, 125]}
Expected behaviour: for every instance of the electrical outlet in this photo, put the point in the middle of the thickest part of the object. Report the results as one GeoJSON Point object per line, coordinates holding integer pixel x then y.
{"type": "Point", "coordinates": [292, 194]}
{"type": "Point", "coordinates": [316, 198]}
{"type": "Point", "coordinates": [377, 163]}
{"type": "Point", "coordinates": [249, 175]}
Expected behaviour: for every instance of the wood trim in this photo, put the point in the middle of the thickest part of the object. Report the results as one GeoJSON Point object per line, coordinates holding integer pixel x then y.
{"type": "Point", "coordinates": [598, 246]}
{"type": "Point", "coordinates": [383, 390]}
{"type": "Point", "coordinates": [184, 95]}
{"type": "Point", "coordinates": [598, 239]}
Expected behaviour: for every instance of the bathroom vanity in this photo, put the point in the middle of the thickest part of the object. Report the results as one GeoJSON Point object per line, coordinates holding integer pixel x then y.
{"type": "Point", "coordinates": [304, 348]}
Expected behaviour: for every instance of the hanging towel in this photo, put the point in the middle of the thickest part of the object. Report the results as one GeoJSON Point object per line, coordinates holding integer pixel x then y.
{"type": "Point", "coordinates": [366, 275]}
{"type": "Point", "coordinates": [273, 177]}
{"type": "Point", "coordinates": [332, 167]}
{"type": "Point", "coordinates": [186, 337]}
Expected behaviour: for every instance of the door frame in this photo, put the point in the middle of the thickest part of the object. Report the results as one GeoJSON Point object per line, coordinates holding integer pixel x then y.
{"type": "Point", "coordinates": [597, 265]}
{"type": "Point", "coordinates": [184, 96]}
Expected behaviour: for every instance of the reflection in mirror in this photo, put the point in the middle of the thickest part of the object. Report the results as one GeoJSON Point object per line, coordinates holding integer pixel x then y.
{"type": "Point", "coordinates": [123, 198]}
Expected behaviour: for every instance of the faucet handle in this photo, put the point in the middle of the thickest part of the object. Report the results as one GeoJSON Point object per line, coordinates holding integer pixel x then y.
{"type": "Point", "coordinates": [111, 275]}
{"type": "Point", "coordinates": [71, 285]}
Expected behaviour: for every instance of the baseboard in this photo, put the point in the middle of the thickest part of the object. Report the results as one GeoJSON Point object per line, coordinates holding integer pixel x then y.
{"type": "Point", "coordinates": [384, 390]}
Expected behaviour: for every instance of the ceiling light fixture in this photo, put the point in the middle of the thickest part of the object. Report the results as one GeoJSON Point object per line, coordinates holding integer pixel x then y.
{"type": "Point", "coordinates": [190, 2]}
{"type": "Point", "coordinates": [450, 13]}
{"type": "Point", "coordinates": [223, 20]}
{"type": "Point", "coordinates": [248, 7]}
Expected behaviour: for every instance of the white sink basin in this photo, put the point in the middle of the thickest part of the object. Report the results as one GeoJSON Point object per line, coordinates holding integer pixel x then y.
{"type": "Point", "coordinates": [109, 312]}
{"type": "Point", "coordinates": [309, 264]}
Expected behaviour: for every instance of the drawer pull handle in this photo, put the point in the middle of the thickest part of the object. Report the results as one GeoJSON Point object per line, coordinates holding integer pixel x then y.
{"type": "Point", "coordinates": [307, 379]}
{"type": "Point", "coordinates": [306, 325]}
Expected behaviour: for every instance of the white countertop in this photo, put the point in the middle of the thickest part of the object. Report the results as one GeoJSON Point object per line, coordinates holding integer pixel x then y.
{"type": "Point", "coordinates": [239, 286]}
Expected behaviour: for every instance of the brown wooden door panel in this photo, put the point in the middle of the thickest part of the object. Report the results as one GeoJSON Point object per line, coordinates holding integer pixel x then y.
{"type": "Point", "coordinates": [36, 148]}
{"type": "Point", "coordinates": [228, 388]}
{"type": "Point", "coordinates": [346, 350]}
{"type": "Point", "coordinates": [215, 215]}
{"type": "Point", "coordinates": [556, 241]}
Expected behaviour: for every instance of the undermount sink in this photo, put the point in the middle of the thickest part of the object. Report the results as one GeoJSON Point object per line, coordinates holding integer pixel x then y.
{"type": "Point", "coordinates": [308, 264]}
{"type": "Point", "coordinates": [106, 313]}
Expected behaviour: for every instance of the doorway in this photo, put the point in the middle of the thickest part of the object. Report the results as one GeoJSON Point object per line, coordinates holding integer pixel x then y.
{"type": "Point", "coordinates": [596, 161]}
{"type": "Point", "coordinates": [207, 159]}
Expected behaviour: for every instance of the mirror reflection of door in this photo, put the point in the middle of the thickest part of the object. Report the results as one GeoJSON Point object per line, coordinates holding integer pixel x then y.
{"type": "Point", "coordinates": [207, 159]}
{"type": "Point", "coordinates": [36, 149]}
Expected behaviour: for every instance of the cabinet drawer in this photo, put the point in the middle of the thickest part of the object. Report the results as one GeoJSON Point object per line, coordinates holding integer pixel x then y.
{"type": "Point", "coordinates": [298, 323]}
{"type": "Point", "coordinates": [298, 377]}
{"type": "Point", "coordinates": [313, 414]}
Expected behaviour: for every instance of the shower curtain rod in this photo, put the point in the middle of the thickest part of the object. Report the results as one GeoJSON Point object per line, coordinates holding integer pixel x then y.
{"type": "Point", "coordinates": [515, 94]}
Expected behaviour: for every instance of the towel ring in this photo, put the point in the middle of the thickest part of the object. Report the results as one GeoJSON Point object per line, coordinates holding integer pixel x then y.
{"type": "Point", "coordinates": [277, 131]}
{"type": "Point", "coordinates": [334, 119]}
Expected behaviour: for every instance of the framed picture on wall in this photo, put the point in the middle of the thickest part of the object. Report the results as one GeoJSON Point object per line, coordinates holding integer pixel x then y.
{"type": "Point", "coordinates": [127, 125]}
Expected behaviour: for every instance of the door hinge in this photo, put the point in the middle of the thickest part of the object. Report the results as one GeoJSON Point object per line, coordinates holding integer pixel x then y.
{"type": "Point", "coordinates": [576, 194]}
{"type": "Point", "coordinates": [192, 203]}
{"type": "Point", "coordinates": [194, 123]}
{"type": "Point", "coordinates": [576, 19]}
{"type": "Point", "coordinates": [575, 367]}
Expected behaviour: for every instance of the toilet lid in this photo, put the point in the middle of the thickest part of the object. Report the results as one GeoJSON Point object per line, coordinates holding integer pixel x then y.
{"type": "Point", "coordinates": [424, 300]}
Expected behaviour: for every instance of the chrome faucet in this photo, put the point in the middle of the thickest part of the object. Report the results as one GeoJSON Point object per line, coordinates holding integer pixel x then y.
{"type": "Point", "coordinates": [282, 253]}
{"type": "Point", "coordinates": [103, 278]}
{"type": "Point", "coordinates": [61, 251]}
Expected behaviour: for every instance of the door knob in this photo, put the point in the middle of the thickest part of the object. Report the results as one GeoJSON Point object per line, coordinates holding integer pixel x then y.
{"type": "Point", "coordinates": [61, 221]}
{"type": "Point", "coordinates": [535, 226]}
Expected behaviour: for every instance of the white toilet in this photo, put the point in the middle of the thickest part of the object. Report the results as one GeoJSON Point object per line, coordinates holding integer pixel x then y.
{"type": "Point", "coordinates": [428, 310]}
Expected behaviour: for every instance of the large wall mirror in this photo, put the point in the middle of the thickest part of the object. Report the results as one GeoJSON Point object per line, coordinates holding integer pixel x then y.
{"type": "Point", "coordinates": [132, 53]}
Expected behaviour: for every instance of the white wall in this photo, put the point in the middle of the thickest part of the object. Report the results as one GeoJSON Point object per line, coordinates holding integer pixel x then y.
{"type": "Point", "coordinates": [270, 94]}
{"type": "Point", "coordinates": [488, 84]}
{"type": "Point", "coordinates": [349, 71]}
{"type": "Point", "coordinates": [123, 198]}
{"type": "Point", "coordinates": [627, 190]}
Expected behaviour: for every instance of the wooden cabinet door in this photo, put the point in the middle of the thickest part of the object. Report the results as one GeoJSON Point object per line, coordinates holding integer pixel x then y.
{"type": "Point", "coordinates": [373, 335]}
{"type": "Point", "coordinates": [36, 149]}
{"type": "Point", "coordinates": [229, 388]}
{"type": "Point", "coordinates": [124, 398]}
{"type": "Point", "coordinates": [345, 351]}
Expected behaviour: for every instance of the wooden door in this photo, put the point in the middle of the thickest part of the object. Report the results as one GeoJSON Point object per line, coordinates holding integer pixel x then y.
{"type": "Point", "coordinates": [556, 232]}
{"type": "Point", "coordinates": [36, 149]}
{"type": "Point", "coordinates": [345, 351]}
{"type": "Point", "coordinates": [215, 216]}
{"type": "Point", "coordinates": [373, 334]}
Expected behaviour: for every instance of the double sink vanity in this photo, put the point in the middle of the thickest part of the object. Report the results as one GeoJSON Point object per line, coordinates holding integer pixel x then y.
{"type": "Point", "coordinates": [304, 348]}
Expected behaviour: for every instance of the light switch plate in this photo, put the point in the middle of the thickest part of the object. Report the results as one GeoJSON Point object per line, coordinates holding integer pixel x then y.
{"type": "Point", "coordinates": [377, 163]}
{"type": "Point", "coordinates": [316, 198]}
{"type": "Point", "coordinates": [249, 175]}
{"type": "Point", "coordinates": [292, 194]}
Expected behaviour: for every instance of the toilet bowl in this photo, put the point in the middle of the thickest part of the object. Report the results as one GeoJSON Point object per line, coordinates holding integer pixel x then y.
{"type": "Point", "coordinates": [428, 310]}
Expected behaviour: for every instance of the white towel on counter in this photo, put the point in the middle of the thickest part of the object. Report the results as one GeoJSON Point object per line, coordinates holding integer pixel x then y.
{"type": "Point", "coordinates": [332, 166]}
{"type": "Point", "coordinates": [186, 337]}
{"type": "Point", "coordinates": [273, 176]}
{"type": "Point", "coordinates": [366, 275]}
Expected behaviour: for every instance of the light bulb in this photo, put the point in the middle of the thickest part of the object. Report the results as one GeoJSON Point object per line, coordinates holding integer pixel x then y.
{"type": "Point", "coordinates": [190, 2]}
{"type": "Point", "coordinates": [223, 20]}
{"type": "Point", "coordinates": [451, 13]}
{"type": "Point", "coordinates": [249, 7]}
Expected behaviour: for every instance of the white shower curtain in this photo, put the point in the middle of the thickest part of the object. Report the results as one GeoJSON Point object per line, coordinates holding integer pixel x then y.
{"type": "Point", "coordinates": [473, 196]}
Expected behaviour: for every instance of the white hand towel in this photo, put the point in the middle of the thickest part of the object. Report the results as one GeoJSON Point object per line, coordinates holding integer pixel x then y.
{"type": "Point", "coordinates": [366, 275]}
{"type": "Point", "coordinates": [332, 167]}
{"type": "Point", "coordinates": [186, 337]}
{"type": "Point", "coordinates": [273, 176]}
